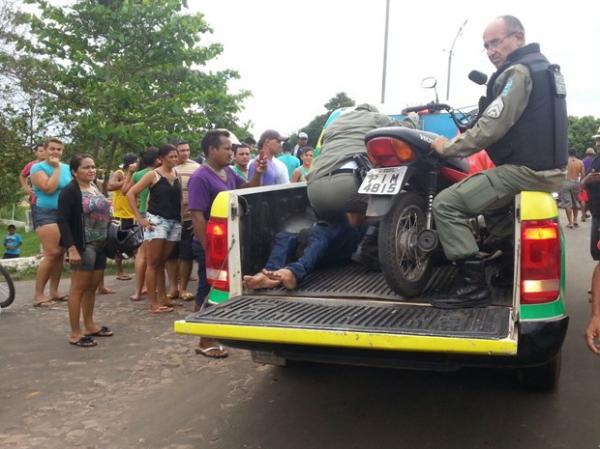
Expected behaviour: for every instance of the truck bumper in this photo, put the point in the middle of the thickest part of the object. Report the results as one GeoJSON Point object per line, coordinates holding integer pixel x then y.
{"type": "Point", "coordinates": [539, 342]}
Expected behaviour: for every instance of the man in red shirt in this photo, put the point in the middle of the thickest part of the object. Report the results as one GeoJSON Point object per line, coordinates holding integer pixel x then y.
{"type": "Point", "coordinates": [40, 154]}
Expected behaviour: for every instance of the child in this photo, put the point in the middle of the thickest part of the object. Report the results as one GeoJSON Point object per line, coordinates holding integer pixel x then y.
{"type": "Point", "coordinates": [12, 243]}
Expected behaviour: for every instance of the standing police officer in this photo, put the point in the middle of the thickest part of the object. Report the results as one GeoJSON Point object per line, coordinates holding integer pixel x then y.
{"type": "Point", "coordinates": [523, 125]}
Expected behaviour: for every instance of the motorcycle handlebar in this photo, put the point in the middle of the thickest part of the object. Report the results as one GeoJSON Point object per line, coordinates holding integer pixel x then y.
{"type": "Point", "coordinates": [431, 106]}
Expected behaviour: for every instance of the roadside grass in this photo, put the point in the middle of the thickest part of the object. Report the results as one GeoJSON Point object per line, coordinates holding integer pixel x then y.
{"type": "Point", "coordinates": [29, 273]}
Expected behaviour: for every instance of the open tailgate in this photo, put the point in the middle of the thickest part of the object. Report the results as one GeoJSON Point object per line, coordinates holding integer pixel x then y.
{"type": "Point", "coordinates": [344, 323]}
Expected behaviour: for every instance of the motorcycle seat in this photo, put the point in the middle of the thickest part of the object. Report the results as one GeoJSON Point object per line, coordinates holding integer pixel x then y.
{"type": "Point", "coordinates": [418, 139]}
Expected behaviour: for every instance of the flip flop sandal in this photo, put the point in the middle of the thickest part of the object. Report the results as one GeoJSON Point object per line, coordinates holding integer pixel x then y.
{"type": "Point", "coordinates": [47, 303]}
{"type": "Point", "coordinates": [134, 299]}
{"type": "Point", "coordinates": [84, 342]}
{"type": "Point", "coordinates": [570, 226]}
{"type": "Point", "coordinates": [173, 295]}
{"type": "Point", "coordinates": [206, 352]}
{"type": "Point", "coordinates": [124, 277]}
{"type": "Point", "coordinates": [104, 331]}
{"type": "Point", "coordinates": [62, 298]}
{"type": "Point", "coordinates": [162, 309]}
{"type": "Point", "coordinates": [576, 225]}
{"type": "Point", "coordinates": [187, 296]}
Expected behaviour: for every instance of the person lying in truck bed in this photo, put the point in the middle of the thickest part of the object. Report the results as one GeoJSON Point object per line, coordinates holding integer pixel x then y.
{"type": "Point", "coordinates": [321, 244]}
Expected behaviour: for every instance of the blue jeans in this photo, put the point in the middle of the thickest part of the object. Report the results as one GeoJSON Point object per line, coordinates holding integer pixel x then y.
{"type": "Point", "coordinates": [203, 287]}
{"type": "Point", "coordinates": [325, 245]}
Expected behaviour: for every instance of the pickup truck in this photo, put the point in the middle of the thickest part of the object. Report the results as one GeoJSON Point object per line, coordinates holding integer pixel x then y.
{"type": "Point", "coordinates": [346, 314]}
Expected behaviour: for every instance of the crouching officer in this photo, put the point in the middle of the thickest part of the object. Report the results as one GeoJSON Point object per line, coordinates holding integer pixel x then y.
{"type": "Point", "coordinates": [523, 126]}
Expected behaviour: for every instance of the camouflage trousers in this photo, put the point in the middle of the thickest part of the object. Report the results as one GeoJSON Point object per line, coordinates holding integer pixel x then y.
{"type": "Point", "coordinates": [490, 193]}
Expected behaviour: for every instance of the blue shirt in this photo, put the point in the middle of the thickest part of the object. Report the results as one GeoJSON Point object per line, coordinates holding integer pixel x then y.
{"type": "Point", "coordinates": [291, 162]}
{"type": "Point", "coordinates": [14, 241]}
{"type": "Point", "coordinates": [50, 200]}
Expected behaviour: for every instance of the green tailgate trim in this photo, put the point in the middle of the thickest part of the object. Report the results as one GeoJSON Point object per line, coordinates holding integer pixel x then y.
{"type": "Point", "coordinates": [217, 296]}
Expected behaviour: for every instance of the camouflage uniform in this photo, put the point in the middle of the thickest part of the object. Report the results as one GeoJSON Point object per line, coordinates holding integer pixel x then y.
{"type": "Point", "coordinates": [490, 192]}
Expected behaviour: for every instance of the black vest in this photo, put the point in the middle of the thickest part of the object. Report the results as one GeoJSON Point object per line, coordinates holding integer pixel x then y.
{"type": "Point", "coordinates": [538, 140]}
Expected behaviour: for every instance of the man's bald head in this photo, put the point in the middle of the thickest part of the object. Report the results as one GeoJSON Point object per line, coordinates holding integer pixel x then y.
{"type": "Point", "coordinates": [501, 37]}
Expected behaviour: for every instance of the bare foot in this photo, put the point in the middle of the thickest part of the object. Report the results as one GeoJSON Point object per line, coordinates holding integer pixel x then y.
{"type": "Point", "coordinates": [105, 291]}
{"type": "Point", "coordinates": [286, 277]}
{"type": "Point", "coordinates": [259, 280]}
{"type": "Point", "coordinates": [41, 300]}
{"type": "Point", "coordinates": [169, 303]}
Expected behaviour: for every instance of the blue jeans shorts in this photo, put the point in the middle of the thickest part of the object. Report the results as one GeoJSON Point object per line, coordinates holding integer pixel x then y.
{"type": "Point", "coordinates": [164, 228]}
{"type": "Point", "coordinates": [93, 258]}
{"type": "Point", "coordinates": [42, 216]}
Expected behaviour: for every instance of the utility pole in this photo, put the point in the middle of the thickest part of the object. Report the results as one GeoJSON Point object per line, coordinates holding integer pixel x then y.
{"type": "Point", "coordinates": [385, 48]}
{"type": "Point", "coordinates": [450, 53]}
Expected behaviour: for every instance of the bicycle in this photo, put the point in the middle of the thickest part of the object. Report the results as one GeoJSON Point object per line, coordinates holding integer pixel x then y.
{"type": "Point", "coordinates": [7, 288]}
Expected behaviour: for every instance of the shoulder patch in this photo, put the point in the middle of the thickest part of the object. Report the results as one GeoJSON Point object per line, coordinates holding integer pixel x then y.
{"type": "Point", "coordinates": [494, 110]}
{"type": "Point", "coordinates": [507, 87]}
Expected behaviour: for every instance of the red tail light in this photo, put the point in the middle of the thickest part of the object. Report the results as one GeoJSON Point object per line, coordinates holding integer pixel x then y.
{"type": "Point", "coordinates": [217, 270]}
{"type": "Point", "coordinates": [540, 261]}
{"type": "Point", "coordinates": [389, 152]}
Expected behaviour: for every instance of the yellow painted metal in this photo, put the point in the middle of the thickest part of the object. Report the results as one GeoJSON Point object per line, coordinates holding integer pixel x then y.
{"type": "Point", "coordinates": [538, 206]}
{"type": "Point", "coordinates": [220, 206]}
{"type": "Point", "coordinates": [349, 339]}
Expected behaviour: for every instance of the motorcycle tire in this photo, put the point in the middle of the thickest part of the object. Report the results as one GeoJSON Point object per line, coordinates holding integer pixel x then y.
{"type": "Point", "coordinates": [405, 268]}
{"type": "Point", "coordinates": [7, 288]}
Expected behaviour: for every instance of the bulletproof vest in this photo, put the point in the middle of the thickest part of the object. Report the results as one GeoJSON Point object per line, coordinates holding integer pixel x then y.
{"type": "Point", "coordinates": [538, 140]}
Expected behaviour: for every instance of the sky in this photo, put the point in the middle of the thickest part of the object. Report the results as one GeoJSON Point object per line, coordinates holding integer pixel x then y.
{"type": "Point", "coordinates": [295, 55]}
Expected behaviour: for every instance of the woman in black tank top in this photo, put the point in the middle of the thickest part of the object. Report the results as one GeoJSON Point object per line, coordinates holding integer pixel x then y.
{"type": "Point", "coordinates": [162, 225]}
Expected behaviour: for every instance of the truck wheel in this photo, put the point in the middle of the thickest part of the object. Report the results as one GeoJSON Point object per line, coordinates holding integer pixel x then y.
{"type": "Point", "coordinates": [541, 378]}
{"type": "Point", "coordinates": [405, 268]}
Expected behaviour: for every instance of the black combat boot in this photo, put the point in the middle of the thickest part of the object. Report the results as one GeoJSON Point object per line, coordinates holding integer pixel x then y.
{"type": "Point", "coordinates": [469, 288]}
{"type": "Point", "coordinates": [367, 253]}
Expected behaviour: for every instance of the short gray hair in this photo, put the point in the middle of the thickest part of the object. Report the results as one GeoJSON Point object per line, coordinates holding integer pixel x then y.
{"type": "Point", "coordinates": [513, 25]}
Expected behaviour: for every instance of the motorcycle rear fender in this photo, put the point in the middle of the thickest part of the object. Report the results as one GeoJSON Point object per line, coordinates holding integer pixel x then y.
{"type": "Point", "coordinates": [379, 205]}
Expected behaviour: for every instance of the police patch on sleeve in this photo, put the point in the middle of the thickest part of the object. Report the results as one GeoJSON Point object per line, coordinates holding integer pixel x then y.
{"type": "Point", "coordinates": [494, 110]}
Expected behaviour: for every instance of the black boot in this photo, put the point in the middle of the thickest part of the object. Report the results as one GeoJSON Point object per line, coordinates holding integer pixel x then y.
{"type": "Point", "coordinates": [469, 288]}
{"type": "Point", "coordinates": [367, 253]}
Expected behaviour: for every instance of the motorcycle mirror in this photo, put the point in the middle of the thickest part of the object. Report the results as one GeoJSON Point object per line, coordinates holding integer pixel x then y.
{"type": "Point", "coordinates": [478, 77]}
{"type": "Point", "coordinates": [430, 83]}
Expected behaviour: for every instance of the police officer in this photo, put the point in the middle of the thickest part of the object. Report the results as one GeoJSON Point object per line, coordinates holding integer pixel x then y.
{"type": "Point", "coordinates": [523, 126]}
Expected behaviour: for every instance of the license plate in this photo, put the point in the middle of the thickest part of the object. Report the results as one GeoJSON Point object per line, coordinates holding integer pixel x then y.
{"type": "Point", "coordinates": [383, 181]}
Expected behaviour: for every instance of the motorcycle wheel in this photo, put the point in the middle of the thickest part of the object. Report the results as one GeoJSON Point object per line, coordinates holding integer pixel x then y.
{"type": "Point", "coordinates": [7, 288]}
{"type": "Point", "coordinates": [405, 268]}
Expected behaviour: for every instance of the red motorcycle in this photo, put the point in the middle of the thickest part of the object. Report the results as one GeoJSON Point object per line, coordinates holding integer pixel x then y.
{"type": "Point", "coordinates": [406, 177]}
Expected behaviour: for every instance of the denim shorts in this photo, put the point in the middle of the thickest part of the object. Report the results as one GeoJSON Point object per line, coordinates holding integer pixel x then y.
{"type": "Point", "coordinates": [164, 228]}
{"type": "Point", "coordinates": [183, 250]}
{"type": "Point", "coordinates": [93, 258]}
{"type": "Point", "coordinates": [42, 216]}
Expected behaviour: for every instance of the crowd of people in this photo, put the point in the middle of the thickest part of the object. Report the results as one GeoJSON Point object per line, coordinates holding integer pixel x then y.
{"type": "Point", "coordinates": [162, 190]}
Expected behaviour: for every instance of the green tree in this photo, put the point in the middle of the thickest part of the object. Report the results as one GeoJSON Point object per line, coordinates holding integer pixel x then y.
{"type": "Point", "coordinates": [13, 156]}
{"type": "Point", "coordinates": [118, 75]}
{"type": "Point", "coordinates": [314, 128]}
{"type": "Point", "coordinates": [581, 130]}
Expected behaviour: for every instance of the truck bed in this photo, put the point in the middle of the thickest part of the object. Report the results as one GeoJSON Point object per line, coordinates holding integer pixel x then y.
{"type": "Point", "coordinates": [353, 281]}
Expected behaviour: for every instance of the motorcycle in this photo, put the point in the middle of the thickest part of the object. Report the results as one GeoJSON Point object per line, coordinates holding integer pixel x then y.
{"type": "Point", "coordinates": [406, 176]}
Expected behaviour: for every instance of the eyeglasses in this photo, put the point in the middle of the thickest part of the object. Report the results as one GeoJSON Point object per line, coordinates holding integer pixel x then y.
{"type": "Point", "coordinates": [494, 43]}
